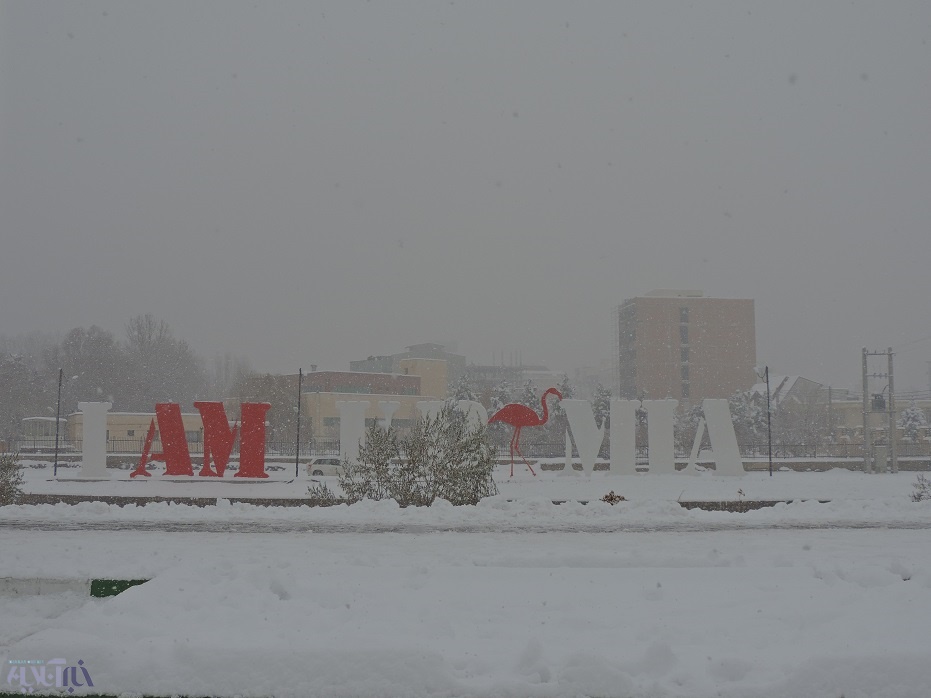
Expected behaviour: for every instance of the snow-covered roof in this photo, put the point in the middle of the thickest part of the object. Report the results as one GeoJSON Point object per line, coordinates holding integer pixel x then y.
{"type": "Point", "coordinates": [782, 387]}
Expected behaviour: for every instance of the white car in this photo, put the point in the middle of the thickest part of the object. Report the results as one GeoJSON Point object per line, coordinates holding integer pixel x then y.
{"type": "Point", "coordinates": [325, 465]}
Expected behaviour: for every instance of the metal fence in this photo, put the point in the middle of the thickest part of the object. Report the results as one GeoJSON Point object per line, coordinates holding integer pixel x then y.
{"type": "Point", "coordinates": [322, 447]}
{"type": "Point", "coordinates": [781, 451]}
{"type": "Point", "coordinates": [330, 446]}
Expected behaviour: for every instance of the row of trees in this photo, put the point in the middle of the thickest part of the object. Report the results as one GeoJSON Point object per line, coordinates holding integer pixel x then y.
{"type": "Point", "coordinates": [147, 365]}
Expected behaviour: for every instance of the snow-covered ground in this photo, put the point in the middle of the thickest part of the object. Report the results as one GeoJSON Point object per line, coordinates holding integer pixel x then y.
{"type": "Point", "coordinates": [515, 597]}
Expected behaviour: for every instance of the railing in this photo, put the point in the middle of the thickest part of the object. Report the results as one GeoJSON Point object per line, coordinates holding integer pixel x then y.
{"type": "Point", "coordinates": [781, 451]}
{"type": "Point", "coordinates": [322, 447]}
{"type": "Point", "coordinates": [330, 446]}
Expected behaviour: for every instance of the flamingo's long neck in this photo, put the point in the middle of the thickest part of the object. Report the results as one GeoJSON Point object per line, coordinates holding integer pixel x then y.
{"type": "Point", "coordinates": [546, 413]}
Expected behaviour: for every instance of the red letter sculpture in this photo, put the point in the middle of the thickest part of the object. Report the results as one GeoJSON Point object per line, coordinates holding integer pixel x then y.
{"type": "Point", "coordinates": [174, 440]}
{"type": "Point", "coordinates": [252, 439]}
{"type": "Point", "coordinates": [218, 437]}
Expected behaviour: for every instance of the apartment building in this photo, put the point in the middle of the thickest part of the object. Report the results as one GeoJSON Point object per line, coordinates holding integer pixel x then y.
{"type": "Point", "coordinates": [681, 344]}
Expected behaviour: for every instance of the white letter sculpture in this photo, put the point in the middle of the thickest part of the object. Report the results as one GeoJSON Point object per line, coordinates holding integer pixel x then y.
{"type": "Point", "coordinates": [624, 437]}
{"type": "Point", "coordinates": [429, 409]}
{"type": "Point", "coordinates": [475, 412]}
{"type": "Point", "coordinates": [660, 435]}
{"type": "Point", "coordinates": [586, 433]}
{"type": "Point", "coordinates": [723, 439]}
{"type": "Point", "coordinates": [351, 427]}
{"type": "Point", "coordinates": [94, 440]}
{"type": "Point", "coordinates": [388, 408]}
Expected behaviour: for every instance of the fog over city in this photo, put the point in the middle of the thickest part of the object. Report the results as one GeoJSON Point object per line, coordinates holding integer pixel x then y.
{"type": "Point", "coordinates": [311, 183]}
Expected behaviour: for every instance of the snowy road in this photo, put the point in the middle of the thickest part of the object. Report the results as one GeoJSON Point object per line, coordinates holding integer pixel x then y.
{"type": "Point", "coordinates": [738, 613]}
{"type": "Point", "coordinates": [291, 526]}
{"type": "Point", "coordinates": [515, 597]}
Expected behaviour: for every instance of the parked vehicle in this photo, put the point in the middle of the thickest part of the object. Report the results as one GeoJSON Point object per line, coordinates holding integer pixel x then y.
{"type": "Point", "coordinates": [325, 465]}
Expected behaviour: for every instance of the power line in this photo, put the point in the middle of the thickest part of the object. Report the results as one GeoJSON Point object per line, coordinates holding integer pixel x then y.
{"type": "Point", "coordinates": [911, 342]}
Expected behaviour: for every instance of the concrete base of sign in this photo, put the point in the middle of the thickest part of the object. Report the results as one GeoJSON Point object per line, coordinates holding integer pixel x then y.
{"type": "Point", "coordinates": [80, 478]}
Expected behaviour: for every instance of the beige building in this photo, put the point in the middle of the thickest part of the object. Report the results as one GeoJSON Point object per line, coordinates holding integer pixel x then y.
{"type": "Point", "coordinates": [682, 345]}
{"type": "Point", "coordinates": [432, 372]}
{"type": "Point", "coordinates": [322, 414]}
{"type": "Point", "coordinates": [319, 406]}
{"type": "Point", "coordinates": [126, 430]}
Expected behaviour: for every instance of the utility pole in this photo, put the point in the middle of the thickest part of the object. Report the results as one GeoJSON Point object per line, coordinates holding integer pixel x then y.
{"type": "Point", "coordinates": [890, 411]}
{"type": "Point", "coordinates": [867, 446]}
{"type": "Point", "coordinates": [893, 431]}
{"type": "Point", "coordinates": [297, 445]}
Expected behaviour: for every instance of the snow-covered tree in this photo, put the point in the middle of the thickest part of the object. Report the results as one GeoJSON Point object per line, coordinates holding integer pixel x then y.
{"type": "Point", "coordinates": [500, 397]}
{"type": "Point", "coordinates": [685, 426]}
{"type": "Point", "coordinates": [463, 389]}
{"type": "Point", "coordinates": [11, 479]}
{"type": "Point", "coordinates": [601, 405]}
{"type": "Point", "coordinates": [748, 412]}
{"type": "Point", "coordinates": [443, 457]}
{"type": "Point", "coordinates": [912, 420]}
{"type": "Point", "coordinates": [529, 397]}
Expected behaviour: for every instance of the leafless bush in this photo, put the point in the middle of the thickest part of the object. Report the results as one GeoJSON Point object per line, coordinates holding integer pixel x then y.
{"type": "Point", "coordinates": [322, 496]}
{"type": "Point", "coordinates": [442, 458]}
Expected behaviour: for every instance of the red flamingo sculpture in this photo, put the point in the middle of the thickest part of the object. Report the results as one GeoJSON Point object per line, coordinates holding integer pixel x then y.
{"type": "Point", "coordinates": [520, 416]}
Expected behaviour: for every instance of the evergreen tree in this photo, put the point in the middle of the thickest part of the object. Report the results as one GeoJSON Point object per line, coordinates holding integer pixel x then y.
{"type": "Point", "coordinates": [463, 390]}
{"type": "Point", "coordinates": [912, 420]}
{"type": "Point", "coordinates": [601, 405]}
{"type": "Point", "coordinates": [529, 397]}
{"type": "Point", "coordinates": [748, 412]}
{"type": "Point", "coordinates": [500, 397]}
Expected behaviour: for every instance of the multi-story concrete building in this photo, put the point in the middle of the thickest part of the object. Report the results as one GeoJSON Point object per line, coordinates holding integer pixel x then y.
{"type": "Point", "coordinates": [682, 345]}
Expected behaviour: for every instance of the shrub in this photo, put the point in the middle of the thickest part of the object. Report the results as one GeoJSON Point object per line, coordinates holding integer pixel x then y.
{"type": "Point", "coordinates": [922, 489]}
{"type": "Point", "coordinates": [11, 479]}
{"type": "Point", "coordinates": [322, 496]}
{"type": "Point", "coordinates": [442, 458]}
{"type": "Point", "coordinates": [613, 499]}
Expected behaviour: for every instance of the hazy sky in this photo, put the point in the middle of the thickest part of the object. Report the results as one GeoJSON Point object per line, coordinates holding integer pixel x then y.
{"type": "Point", "coordinates": [310, 183]}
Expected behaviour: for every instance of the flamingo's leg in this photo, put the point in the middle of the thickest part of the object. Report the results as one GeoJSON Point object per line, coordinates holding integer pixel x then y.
{"type": "Point", "coordinates": [517, 448]}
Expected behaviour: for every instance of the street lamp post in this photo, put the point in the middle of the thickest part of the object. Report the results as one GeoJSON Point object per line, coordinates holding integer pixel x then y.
{"type": "Point", "coordinates": [769, 417]}
{"type": "Point", "coordinates": [57, 423]}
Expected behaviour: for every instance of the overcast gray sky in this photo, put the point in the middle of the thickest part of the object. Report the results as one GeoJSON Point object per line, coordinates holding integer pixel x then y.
{"type": "Point", "coordinates": [316, 182]}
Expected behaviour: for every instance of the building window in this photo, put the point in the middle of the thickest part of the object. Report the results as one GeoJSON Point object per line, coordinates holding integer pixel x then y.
{"type": "Point", "coordinates": [130, 432]}
{"type": "Point", "coordinates": [684, 370]}
{"type": "Point", "coordinates": [684, 315]}
{"type": "Point", "coordinates": [685, 388]}
{"type": "Point", "coordinates": [684, 354]}
{"type": "Point", "coordinates": [683, 334]}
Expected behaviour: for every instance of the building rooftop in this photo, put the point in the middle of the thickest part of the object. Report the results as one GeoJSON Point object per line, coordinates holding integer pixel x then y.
{"type": "Point", "coordinates": [674, 293]}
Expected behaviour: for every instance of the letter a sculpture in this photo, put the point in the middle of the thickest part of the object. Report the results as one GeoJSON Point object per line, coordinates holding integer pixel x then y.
{"type": "Point", "coordinates": [520, 416]}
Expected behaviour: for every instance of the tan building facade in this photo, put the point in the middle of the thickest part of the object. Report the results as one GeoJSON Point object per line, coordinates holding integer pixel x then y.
{"type": "Point", "coordinates": [124, 428]}
{"type": "Point", "coordinates": [433, 375]}
{"type": "Point", "coordinates": [321, 411]}
{"type": "Point", "coordinates": [683, 345]}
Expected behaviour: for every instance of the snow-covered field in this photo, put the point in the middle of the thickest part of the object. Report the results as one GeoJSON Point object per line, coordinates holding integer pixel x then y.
{"type": "Point", "coordinates": [515, 597]}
